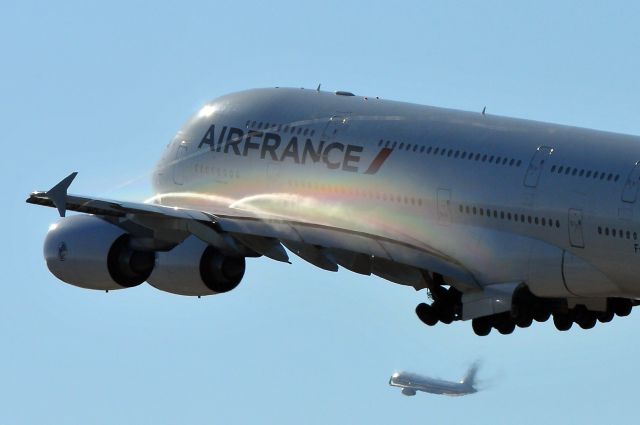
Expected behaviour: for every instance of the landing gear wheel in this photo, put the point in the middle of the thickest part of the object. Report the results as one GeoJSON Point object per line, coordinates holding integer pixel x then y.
{"type": "Point", "coordinates": [622, 306]}
{"type": "Point", "coordinates": [481, 326]}
{"type": "Point", "coordinates": [444, 312]}
{"type": "Point", "coordinates": [562, 322]}
{"type": "Point", "coordinates": [587, 320]}
{"type": "Point", "coordinates": [506, 326]}
{"type": "Point", "coordinates": [524, 320]}
{"type": "Point", "coordinates": [426, 314]}
{"type": "Point", "coordinates": [605, 316]}
{"type": "Point", "coordinates": [541, 315]}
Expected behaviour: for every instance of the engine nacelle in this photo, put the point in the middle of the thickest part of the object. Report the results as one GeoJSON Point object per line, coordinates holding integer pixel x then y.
{"type": "Point", "coordinates": [408, 392]}
{"type": "Point", "coordinates": [89, 252]}
{"type": "Point", "coordinates": [195, 268]}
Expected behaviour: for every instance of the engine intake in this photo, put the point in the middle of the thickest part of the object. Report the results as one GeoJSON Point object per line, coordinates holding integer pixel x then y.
{"type": "Point", "coordinates": [89, 252]}
{"type": "Point", "coordinates": [195, 268]}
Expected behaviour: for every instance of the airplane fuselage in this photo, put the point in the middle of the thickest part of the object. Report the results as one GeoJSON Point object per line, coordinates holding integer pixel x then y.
{"type": "Point", "coordinates": [410, 383]}
{"type": "Point", "coordinates": [511, 200]}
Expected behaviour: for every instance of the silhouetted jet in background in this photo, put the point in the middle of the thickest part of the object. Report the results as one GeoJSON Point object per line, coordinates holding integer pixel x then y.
{"type": "Point", "coordinates": [410, 383]}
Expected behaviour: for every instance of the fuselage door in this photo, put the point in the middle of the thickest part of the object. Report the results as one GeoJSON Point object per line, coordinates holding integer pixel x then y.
{"type": "Point", "coordinates": [537, 165]}
{"type": "Point", "coordinates": [444, 206]}
{"type": "Point", "coordinates": [630, 191]}
{"type": "Point", "coordinates": [336, 124]}
{"type": "Point", "coordinates": [575, 228]}
{"type": "Point", "coordinates": [179, 165]}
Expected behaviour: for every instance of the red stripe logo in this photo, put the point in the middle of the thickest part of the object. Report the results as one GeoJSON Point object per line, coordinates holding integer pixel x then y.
{"type": "Point", "coordinates": [379, 160]}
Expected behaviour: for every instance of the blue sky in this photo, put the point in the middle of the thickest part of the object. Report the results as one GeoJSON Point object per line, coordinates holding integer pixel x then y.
{"type": "Point", "coordinates": [101, 87]}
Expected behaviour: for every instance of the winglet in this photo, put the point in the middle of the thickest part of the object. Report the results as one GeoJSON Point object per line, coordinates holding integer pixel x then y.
{"type": "Point", "coordinates": [58, 193]}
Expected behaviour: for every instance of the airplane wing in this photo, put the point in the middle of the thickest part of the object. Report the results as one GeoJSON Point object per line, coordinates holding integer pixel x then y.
{"type": "Point", "coordinates": [323, 246]}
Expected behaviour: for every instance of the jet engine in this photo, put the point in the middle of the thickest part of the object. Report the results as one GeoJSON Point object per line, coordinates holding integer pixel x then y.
{"type": "Point", "coordinates": [89, 252]}
{"type": "Point", "coordinates": [195, 268]}
{"type": "Point", "coordinates": [408, 392]}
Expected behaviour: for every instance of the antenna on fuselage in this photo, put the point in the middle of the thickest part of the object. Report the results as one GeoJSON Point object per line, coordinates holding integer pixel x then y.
{"type": "Point", "coordinates": [318, 89]}
{"type": "Point", "coordinates": [484, 110]}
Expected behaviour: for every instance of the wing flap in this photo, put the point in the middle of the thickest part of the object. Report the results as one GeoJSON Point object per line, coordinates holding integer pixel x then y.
{"type": "Point", "coordinates": [356, 243]}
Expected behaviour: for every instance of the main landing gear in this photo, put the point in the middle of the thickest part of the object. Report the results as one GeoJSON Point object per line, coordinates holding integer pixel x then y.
{"type": "Point", "coordinates": [586, 319]}
{"type": "Point", "coordinates": [447, 307]}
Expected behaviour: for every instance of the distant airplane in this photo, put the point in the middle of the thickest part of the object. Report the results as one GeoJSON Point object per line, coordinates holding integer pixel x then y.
{"type": "Point", "coordinates": [410, 383]}
{"type": "Point", "coordinates": [503, 221]}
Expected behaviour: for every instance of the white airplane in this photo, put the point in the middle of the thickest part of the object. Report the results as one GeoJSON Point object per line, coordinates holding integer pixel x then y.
{"type": "Point", "coordinates": [410, 383]}
{"type": "Point", "coordinates": [502, 220]}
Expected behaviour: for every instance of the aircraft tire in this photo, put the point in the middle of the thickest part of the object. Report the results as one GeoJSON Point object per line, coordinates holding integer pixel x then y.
{"type": "Point", "coordinates": [444, 313]}
{"type": "Point", "coordinates": [622, 307]}
{"type": "Point", "coordinates": [506, 326]}
{"type": "Point", "coordinates": [605, 316]}
{"type": "Point", "coordinates": [481, 326]}
{"type": "Point", "coordinates": [541, 314]}
{"type": "Point", "coordinates": [426, 314]}
{"type": "Point", "coordinates": [524, 320]}
{"type": "Point", "coordinates": [562, 322]}
{"type": "Point", "coordinates": [587, 320]}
